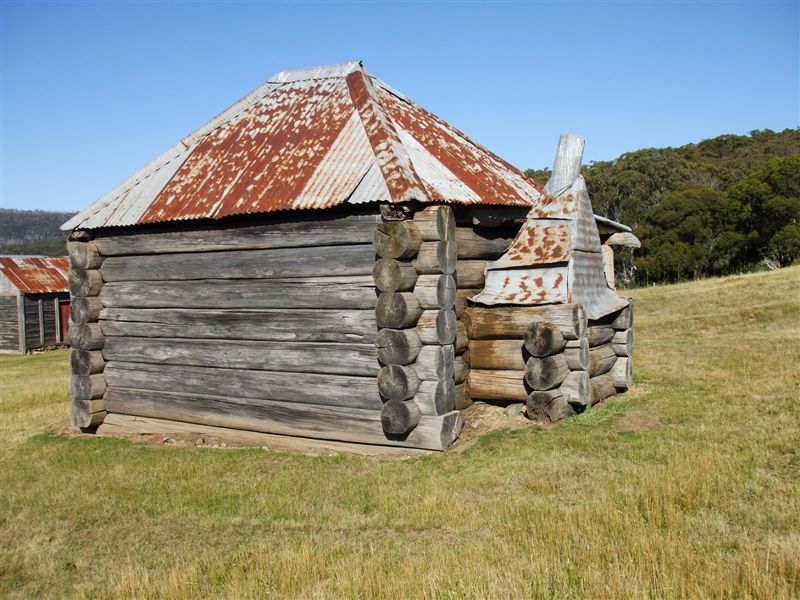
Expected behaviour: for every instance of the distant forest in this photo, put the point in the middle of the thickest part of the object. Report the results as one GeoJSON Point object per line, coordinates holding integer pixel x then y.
{"type": "Point", "coordinates": [33, 232]}
{"type": "Point", "coordinates": [724, 205]}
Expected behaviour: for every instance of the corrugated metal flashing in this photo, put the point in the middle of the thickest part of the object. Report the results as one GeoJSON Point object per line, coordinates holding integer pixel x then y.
{"type": "Point", "coordinates": [36, 274]}
{"type": "Point", "coordinates": [312, 139]}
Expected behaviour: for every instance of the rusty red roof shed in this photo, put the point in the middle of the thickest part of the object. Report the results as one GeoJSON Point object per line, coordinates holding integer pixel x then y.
{"type": "Point", "coordinates": [36, 274]}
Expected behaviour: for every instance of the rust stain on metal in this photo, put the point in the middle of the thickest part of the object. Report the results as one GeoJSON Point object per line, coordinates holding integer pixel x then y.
{"type": "Point", "coordinates": [36, 275]}
{"type": "Point", "coordinates": [538, 242]}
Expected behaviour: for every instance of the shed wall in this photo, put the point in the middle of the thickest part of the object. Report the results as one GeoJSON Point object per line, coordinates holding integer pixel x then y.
{"type": "Point", "coordinates": [41, 321]}
{"type": "Point", "coordinates": [9, 331]}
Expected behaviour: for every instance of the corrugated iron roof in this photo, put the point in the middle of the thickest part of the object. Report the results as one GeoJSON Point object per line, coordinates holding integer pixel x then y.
{"type": "Point", "coordinates": [312, 138]}
{"type": "Point", "coordinates": [36, 274]}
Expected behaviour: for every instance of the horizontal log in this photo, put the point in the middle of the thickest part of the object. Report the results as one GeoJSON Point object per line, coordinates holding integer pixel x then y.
{"type": "Point", "coordinates": [397, 310]}
{"type": "Point", "coordinates": [298, 324]}
{"type": "Point", "coordinates": [398, 382]}
{"type": "Point", "coordinates": [277, 263]}
{"type": "Point", "coordinates": [543, 339]}
{"type": "Point", "coordinates": [577, 356]}
{"type": "Point", "coordinates": [84, 283]}
{"type": "Point", "coordinates": [462, 301]}
{"type": "Point", "coordinates": [462, 400]}
{"type": "Point", "coordinates": [435, 362]}
{"type": "Point", "coordinates": [436, 291]}
{"type": "Point", "coordinates": [86, 362]}
{"type": "Point", "coordinates": [436, 257]}
{"type": "Point", "coordinates": [508, 355]}
{"type": "Point", "coordinates": [117, 425]}
{"type": "Point", "coordinates": [598, 335]}
{"type": "Point", "coordinates": [86, 336]}
{"type": "Point", "coordinates": [399, 417]}
{"type": "Point", "coordinates": [462, 339]}
{"type": "Point", "coordinates": [397, 346]}
{"type": "Point", "coordinates": [85, 310]}
{"type": "Point", "coordinates": [511, 322]}
{"type": "Point", "coordinates": [601, 360]}
{"type": "Point", "coordinates": [470, 274]}
{"type": "Point", "coordinates": [87, 387]}
{"type": "Point", "coordinates": [307, 420]}
{"type": "Point", "coordinates": [488, 244]}
{"type": "Point", "coordinates": [83, 255]}
{"type": "Point", "coordinates": [602, 387]}
{"type": "Point", "coordinates": [438, 327]}
{"type": "Point", "coordinates": [622, 373]}
{"type": "Point", "coordinates": [396, 239]}
{"type": "Point", "coordinates": [497, 386]}
{"type": "Point", "coordinates": [619, 320]}
{"type": "Point", "coordinates": [546, 372]}
{"type": "Point", "coordinates": [319, 292]}
{"type": "Point", "coordinates": [301, 357]}
{"type": "Point", "coordinates": [284, 386]}
{"type": "Point", "coordinates": [293, 231]}
{"type": "Point", "coordinates": [575, 388]}
{"type": "Point", "coordinates": [86, 414]}
{"type": "Point", "coordinates": [435, 223]}
{"type": "Point", "coordinates": [436, 397]}
{"type": "Point", "coordinates": [392, 275]}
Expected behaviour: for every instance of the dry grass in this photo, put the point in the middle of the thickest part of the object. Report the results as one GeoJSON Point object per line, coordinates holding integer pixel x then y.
{"type": "Point", "coordinates": [688, 487]}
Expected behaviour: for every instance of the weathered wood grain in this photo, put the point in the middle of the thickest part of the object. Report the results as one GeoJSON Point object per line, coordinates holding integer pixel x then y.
{"type": "Point", "coordinates": [86, 336]}
{"type": "Point", "coordinates": [602, 387]}
{"type": "Point", "coordinates": [511, 322]}
{"type": "Point", "coordinates": [508, 355]}
{"type": "Point", "coordinates": [546, 372]}
{"type": "Point", "coordinates": [87, 387]}
{"type": "Point", "coordinates": [298, 324]}
{"type": "Point", "coordinates": [543, 339]}
{"type": "Point", "coordinates": [85, 362]}
{"type": "Point", "coordinates": [575, 388]}
{"type": "Point", "coordinates": [84, 283]}
{"type": "Point", "coordinates": [294, 231]}
{"type": "Point", "coordinates": [85, 310]}
{"type": "Point", "coordinates": [87, 414]}
{"type": "Point", "coordinates": [307, 420]}
{"type": "Point", "coordinates": [84, 255]}
{"type": "Point", "coordinates": [301, 357]}
{"type": "Point", "coordinates": [436, 257]}
{"type": "Point", "coordinates": [436, 291]}
{"type": "Point", "coordinates": [397, 346]}
{"type": "Point", "coordinates": [319, 292]}
{"type": "Point", "coordinates": [392, 275]}
{"type": "Point", "coordinates": [622, 373]}
{"type": "Point", "coordinates": [497, 386]}
{"type": "Point", "coordinates": [435, 223]}
{"type": "Point", "coordinates": [396, 239]}
{"type": "Point", "coordinates": [548, 406]}
{"type": "Point", "coordinates": [397, 310]}
{"type": "Point", "coordinates": [436, 397]}
{"type": "Point", "coordinates": [438, 327]}
{"type": "Point", "coordinates": [577, 356]}
{"type": "Point", "coordinates": [622, 342]}
{"type": "Point", "coordinates": [601, 359]}
{"type": "Point", "coordinates": [462, 400]}
{"type": "Point", "coordinates": [435, 362]}
{"type": "Point", "coordinates": [284, 386]}
{"type": "Point", "coordinates": [399, 417]}
{"type": "Point", "coordinates": [316, 261]}
{"type": "Point", "coordinates": [398, 382]}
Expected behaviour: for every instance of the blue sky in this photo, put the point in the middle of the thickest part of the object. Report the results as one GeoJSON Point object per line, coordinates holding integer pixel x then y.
{"type": "Point", "coordinates": [92, 91]}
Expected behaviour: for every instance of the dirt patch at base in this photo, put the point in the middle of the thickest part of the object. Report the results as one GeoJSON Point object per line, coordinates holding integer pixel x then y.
{"type": "Point", "coordinates": [482, 418]}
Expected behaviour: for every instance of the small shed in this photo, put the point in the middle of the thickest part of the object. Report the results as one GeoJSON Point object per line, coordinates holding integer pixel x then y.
{"type": "Point", "coordinates": [312, 263]}
{"type": "Point", "coordinates": [34, 303]}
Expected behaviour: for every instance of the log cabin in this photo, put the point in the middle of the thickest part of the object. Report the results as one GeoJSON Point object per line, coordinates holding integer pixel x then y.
{"type": "Point", "coordinates": [321, 261]}
{"type": "Point", "coordinates": [34, 303]}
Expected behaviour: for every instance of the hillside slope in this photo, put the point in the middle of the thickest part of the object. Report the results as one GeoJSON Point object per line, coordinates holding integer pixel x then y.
{"type": "Point", "coordinates": [686, 487]}
{"type": "Point", "coordinates": [32, 232]}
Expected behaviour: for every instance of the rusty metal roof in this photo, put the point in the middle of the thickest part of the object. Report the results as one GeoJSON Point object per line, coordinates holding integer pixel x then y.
{"type": "Point", "coordinates": [313, 138]}
{"type": "Point", "coordinates": [36, 274]}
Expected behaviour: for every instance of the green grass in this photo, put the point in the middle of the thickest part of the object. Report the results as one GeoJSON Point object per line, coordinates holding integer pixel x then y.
{"type": "Point", "coordinates": [686, 487]}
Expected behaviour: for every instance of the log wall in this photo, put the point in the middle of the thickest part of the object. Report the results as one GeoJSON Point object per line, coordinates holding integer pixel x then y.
{"type": "Point", "coordinates": [9, 326]}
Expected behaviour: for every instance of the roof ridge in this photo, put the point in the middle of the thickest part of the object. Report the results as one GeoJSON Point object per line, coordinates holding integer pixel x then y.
{"type": "Point", "coordinates": [319, 72]}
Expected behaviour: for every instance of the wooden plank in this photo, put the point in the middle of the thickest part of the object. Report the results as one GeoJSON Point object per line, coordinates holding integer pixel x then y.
{"type": "Point", "coordinates": [298, 325]}
{"type": "Point", "coordinates": [274, 263]}
{"type": "Point", "coordinates": [308, 388]}
{"type": "Point", "coordinates": [126, 425]}
{"type": "Point", "coordinates": [300, 357]}
{"type": "Point", "coordinates": [293, 231]}
{"type": "Point", "coordinates": [319, 292]}
{"type": "Point", "coordinates": [307, 420]}
{"type": "Point", "coordinates": [509, 355]}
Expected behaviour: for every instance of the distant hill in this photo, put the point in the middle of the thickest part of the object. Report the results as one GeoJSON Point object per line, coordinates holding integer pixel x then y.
{"type": "Point", "coordinates": [32, 232]}
{"type": "Point", "coordinates": [728, 204]}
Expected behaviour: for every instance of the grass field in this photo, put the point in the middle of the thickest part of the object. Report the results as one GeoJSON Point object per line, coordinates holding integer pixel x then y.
{"type": "Point", "coordinates": [687, 487]}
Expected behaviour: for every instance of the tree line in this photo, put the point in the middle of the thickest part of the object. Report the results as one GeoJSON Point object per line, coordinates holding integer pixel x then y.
{"type": "Point", "coordinates": [724, 205]}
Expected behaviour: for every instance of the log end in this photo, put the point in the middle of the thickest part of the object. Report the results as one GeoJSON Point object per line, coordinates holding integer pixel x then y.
{"type": "Point", "coordinates": [398, 418]}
